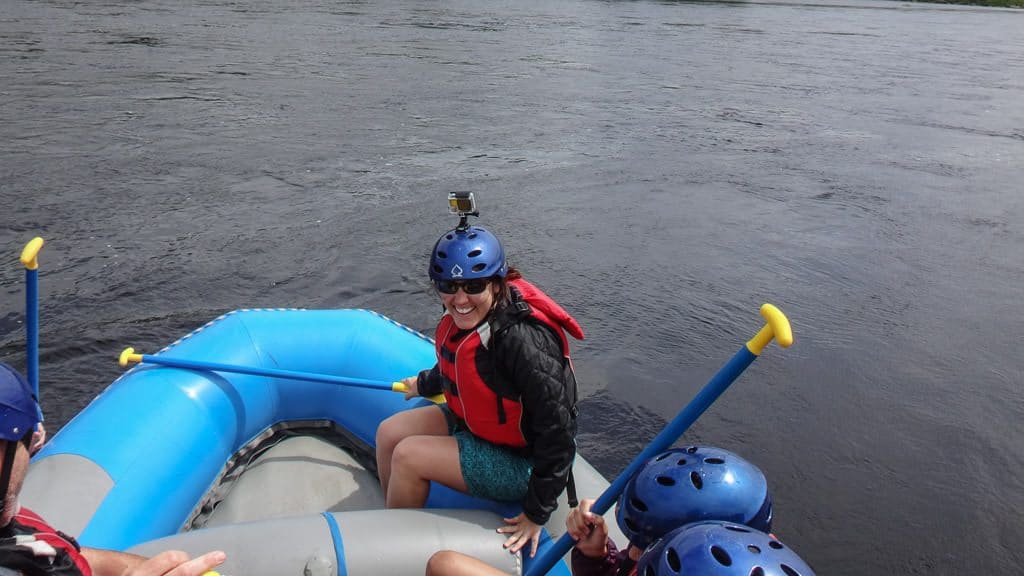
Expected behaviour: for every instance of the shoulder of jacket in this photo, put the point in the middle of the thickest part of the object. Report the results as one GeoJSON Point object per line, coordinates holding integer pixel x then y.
{"type": "Point", "coordinates": [527, 332]}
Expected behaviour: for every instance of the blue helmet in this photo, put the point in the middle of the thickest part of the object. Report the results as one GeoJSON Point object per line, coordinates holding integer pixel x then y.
{"type": "Point", "coordinates": [19, 413]}
{"type": "Point", "coordinates": [716, 548]}
{"type": "Point", "coordinates": [465, 254]}
{"type": "Point", "coordinates": [692, 484]}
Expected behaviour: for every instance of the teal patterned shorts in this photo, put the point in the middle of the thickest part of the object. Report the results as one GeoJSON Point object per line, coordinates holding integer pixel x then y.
{"type": "Point", "coordinates": [490, 471]}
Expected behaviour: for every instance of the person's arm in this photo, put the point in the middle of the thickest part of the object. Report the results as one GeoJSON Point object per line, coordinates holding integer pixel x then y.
{"type": "Point", "coordinates": [594, 554]}
{"type": "Point", "coordinates": [428, 382]}
{"type": "Point", "coordinates": [531, 356]}
{"type": "Point", "coordinates": [109, 562]}
{"type": "Point", "coordinates": [170, 563]}
{"type": "Point", "coordinates": [587, 529]}
{"type": "Point", "coordinates": [606, 565]}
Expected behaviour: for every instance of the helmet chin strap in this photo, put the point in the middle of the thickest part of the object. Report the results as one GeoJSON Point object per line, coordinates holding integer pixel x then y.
{"type": "Point", "coordinates": [5, 474]}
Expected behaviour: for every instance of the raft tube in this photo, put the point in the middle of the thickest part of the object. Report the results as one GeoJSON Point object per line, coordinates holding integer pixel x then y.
{"type": "Point", "coordinates": [276, 472]}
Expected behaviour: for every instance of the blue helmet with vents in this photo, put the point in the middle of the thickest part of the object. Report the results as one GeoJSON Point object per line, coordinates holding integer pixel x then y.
{"type": "Point", "coordinates": [716, 548]}
{"type": "Point", "coordinates": [19, 412]}
{"type": "Point", "coordinates": [466, 253]}
{"type": "Point", "coordinates": [692, 484]}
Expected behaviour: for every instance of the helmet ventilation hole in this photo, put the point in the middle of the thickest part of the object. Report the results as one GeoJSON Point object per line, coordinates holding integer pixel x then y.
{"type": "Point", "coordinates": [714, 461]}
{"type": "Point", "coordinates": [472, 235]}
{"type": "Point", "coordinates": [442, 254]}
{"type": "Point", "coordinates": [438, 269]}
{"type": "Point", "coordinates": [632, 525]}
{"type": "Point", "coordinates": [649, 571]}
{"type": "Point", "coordinates": [638, 504]}
{"type": "Point", "coordinates": [753, 549]}
{"type": "Point", "coordinates": [663, 456]}
{"type": "Point", "coordinates": [691, 450]}
{"type": "Point", "coordinates": [666, 480]}
{"type": "Point", "coordinates": [479, 266]}
{"type": "Point", "coordinates": [721, 555]}
{"type": "Point", "coordinates": [789, 570]}
{"type": "Point", "coordinates": [757, 571]}
{"type": "Point", "coordinates": [673, 560]}
{"type": "Point", "coordinates": [696, 480]}
{"type": "Point", "coordinates": [474, 253]}
{"type": "Point", "coordinates": [682, 462]}
{"type": "Point", "coordinates": [776, 545]}
{"type": "Point", "coordinates": [449, 237]}
{"type": "Point", "coordinates": [736, 528]}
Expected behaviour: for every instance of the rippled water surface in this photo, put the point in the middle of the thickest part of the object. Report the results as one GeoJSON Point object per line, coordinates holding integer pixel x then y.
{"type": "Point", "coordinates": [662, 168]}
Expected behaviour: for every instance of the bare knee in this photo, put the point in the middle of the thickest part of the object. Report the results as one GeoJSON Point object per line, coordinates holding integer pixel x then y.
{"type": "Point", "coordinates": [404, 455]}
{"type": "Point", "coordinates": [451, 563]}
{"type": "Point", "coordinates": [443, 563]}
{"type": "Point", "coordinates": [389, 433]}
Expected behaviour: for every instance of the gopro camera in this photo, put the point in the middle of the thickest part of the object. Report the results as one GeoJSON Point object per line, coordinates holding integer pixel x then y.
{"type": "Point", "coordinates": [463, 204]}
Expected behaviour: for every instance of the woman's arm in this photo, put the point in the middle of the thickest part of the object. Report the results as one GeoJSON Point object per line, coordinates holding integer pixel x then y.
{"type": "Point", "coordinates": [531, 356]}
{"type": "Point", "coordinates": [428, 383]}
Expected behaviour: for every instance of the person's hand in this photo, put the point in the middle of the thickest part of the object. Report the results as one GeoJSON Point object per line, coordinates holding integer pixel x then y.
{"type": "Point", "coordinates": [177, 563]}
{"type": "Point", "coordinates": [588, 530]}
{"type": "Point", "coordinates": [38, 439]}
{"type": "Point", "coordinates": [522, 531]}
{"type": "Point", "coordinates": [411, 390]}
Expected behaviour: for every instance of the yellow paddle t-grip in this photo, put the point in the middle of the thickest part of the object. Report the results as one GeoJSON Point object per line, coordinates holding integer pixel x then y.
{"type": "Point", "coordinates": [777, 328]}
{"type": "Point", "coordinates": [128, 356]}
{"type": "Point", "coordinates": [31, 252]}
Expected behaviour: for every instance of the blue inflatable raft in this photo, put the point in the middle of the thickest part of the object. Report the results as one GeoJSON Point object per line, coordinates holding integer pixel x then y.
{"type": "Point", "coordinates": [277, 472]}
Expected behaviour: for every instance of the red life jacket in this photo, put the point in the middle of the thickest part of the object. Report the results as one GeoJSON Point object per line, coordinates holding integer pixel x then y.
{"type": "Point", "coordinates": [488, 414]}
{"type": "Point", "coordinates": [68, 560]}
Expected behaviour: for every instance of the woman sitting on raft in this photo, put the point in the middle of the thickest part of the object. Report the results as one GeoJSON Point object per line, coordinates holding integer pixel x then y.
{"type": "Point", "coordinates": [508, 429]}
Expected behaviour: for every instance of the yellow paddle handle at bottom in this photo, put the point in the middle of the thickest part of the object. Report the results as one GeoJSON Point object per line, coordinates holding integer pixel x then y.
{"type": "Point", "coordinates": [401, 387]}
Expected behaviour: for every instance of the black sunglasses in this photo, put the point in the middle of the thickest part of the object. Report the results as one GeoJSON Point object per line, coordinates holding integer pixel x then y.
{"type": "Point", "coordinates": [474, 286]}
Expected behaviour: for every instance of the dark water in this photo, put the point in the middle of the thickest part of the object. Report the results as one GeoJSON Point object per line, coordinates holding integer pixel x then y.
{"type": "Point", "coordinates": [662, 168]}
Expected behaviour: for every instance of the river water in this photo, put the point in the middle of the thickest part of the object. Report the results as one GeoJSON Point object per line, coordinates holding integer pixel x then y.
{"type": "Point", "coordinates": [661, 168]}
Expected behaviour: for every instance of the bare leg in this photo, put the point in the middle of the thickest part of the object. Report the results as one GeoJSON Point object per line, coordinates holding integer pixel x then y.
{"type": "Point", "coordinates": [428, 420]}
{"type": "Point", "coordinates": [416, 461]}
{"type": "Point", "coordinates": [451, 563]}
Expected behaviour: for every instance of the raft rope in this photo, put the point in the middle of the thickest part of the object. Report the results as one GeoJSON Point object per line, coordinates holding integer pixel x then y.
{"type": "Point", "coordinates": [339, 545]}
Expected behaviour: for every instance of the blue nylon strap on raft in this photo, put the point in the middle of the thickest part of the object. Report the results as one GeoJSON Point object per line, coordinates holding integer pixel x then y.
{"type": "Point", "coordinates": [339, 546]}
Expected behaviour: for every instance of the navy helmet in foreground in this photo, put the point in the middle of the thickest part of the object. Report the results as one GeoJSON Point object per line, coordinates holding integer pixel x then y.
{"type": "Point", "coordinates": [685, 485]}
{"type": "Point", "coordinates": [716, 548]}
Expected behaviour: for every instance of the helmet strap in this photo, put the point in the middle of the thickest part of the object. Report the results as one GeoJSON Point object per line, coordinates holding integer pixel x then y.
{"type": "Point", "coordinates": [5, 474]}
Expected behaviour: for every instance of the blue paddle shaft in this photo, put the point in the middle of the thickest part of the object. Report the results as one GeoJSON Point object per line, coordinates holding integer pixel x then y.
{"type": "Point", "coordinates": [270, 372]}
{"type": "Point", "coordinates": [32, 333]}
{"type": "Point", "coordinates": [668, 435]}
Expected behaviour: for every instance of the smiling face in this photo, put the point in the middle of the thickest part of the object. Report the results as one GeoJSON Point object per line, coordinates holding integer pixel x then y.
{"type": "Point", "coordinates": [469, 310]}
